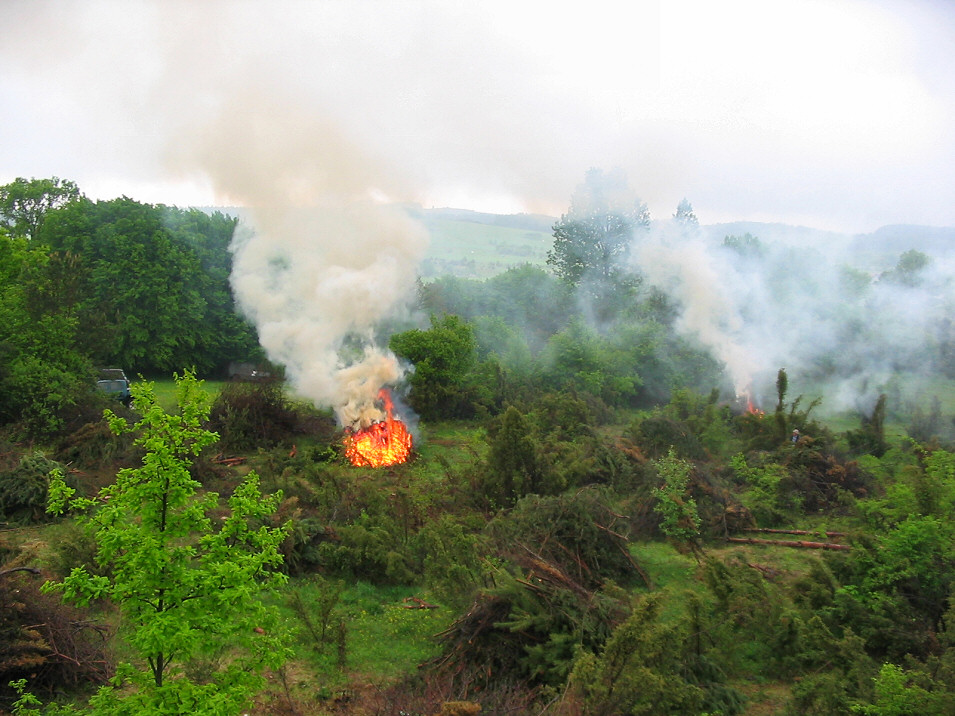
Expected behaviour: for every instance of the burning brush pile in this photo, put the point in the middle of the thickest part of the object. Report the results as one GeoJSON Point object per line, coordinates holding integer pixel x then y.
{"type": "Point", "coordinates": [382, 443]}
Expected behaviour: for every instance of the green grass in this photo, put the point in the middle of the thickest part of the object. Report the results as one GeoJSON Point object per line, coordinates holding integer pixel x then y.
{"type": "Point", "coordinates": [449, 440]}
{"type": "Point", "coordinates": [166, 391]}
{"type": "Point", "coordinates": [672, 574]}
{"type": "Point", "coordinates": [384, 638]}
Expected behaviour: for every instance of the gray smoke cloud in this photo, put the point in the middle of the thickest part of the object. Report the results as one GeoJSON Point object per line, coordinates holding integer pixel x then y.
{"type": "Point", "coordinates": [834, 311]}
{"type": "Point", "coordinates": [314, 115]}
{"type": "Point", "coordinates": [502, 104]}
{"type": "Point", "coordinates": [317, 283]}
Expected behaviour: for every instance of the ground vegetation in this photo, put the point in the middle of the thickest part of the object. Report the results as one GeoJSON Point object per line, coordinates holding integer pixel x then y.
{"type": "Point", "coordinates": [591, 521]}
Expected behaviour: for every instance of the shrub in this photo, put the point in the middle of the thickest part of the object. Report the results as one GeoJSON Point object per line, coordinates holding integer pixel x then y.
{"type": "Point", "coordinates": [258, 415]}
{"type": "Point", "coordinates": [94, 445]}
{"type": "Point", "coordinates": [23, 489]}
{"type": "Point", "coordinates": [642, 670]}
{"type": "Point", "coordinates": [657, 434]}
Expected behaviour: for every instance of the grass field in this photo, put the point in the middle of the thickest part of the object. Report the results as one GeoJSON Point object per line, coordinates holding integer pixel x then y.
{"type": "Point", "coordinates": [166, 391]}
{"type": "Point", "coordinates": [472, 250]}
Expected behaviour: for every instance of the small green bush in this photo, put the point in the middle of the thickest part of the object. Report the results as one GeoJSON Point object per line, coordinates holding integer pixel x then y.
{"type": "Point", "coordinates": [23, 489]}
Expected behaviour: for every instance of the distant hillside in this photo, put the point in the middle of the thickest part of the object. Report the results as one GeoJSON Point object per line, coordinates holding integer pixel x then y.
{"type": "Point", "coordinates": [880, 248]}
{"type": "Point", "coordinates": [900, 238]}
{"type": "Point", "coordinates": [530, 222]}
{"type": "Point", "coordinates": [471, 244]}
{"type": "Point", "coordinates": [775, 232]}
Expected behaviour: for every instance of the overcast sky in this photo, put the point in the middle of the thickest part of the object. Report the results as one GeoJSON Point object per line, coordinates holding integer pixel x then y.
{"type": "Point", "coordinates": [837, 114]}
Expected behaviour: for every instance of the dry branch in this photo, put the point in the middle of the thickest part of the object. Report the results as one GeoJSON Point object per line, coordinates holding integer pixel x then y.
{"type": "Point", "coordinates": [418, 603]}
{"type": "Point", "coordinates": [220, 459]}
{"type": "Point", "coordinates": [31, 570]}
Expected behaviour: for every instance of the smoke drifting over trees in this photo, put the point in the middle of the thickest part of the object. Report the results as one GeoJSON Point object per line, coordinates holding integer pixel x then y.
{"type": "Point", "coordinates": [315, 115]}
{"type": "Point", "coordinates": [835, 314]}
{"type": "Point", "coordinates": [845, 315]}
{"type": "Point", "coordinates": [314, 280]}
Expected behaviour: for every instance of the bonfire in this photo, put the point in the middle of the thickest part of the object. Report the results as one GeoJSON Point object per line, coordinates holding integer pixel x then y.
{"type": "Point", "coordinates": [387, 442]}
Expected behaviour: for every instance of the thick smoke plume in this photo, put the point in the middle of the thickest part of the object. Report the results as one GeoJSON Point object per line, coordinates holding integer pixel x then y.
{"type": "Point", "coordinates": [317, 283]}
{"type": "Point", "coordinates": [325, 258]}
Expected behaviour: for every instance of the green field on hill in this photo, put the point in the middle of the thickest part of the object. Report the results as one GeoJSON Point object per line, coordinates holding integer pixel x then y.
{"type": "Point", "coordinates": [476, 250]}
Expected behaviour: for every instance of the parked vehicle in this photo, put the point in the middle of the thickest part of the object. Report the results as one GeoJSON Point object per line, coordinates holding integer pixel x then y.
{"type": "Point", "coordinates": [113, 382]}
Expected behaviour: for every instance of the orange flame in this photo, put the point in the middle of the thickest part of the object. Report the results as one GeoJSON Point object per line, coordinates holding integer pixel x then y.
{"type": "Point", "coordinates": [750, 406]}
{"type": "Point", "coordinates": [380, 444]}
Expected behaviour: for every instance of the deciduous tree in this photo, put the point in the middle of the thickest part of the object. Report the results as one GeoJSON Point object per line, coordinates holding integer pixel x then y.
{"type": "Point", "coordinates": [25, 202]}
{"type": "Point", "coordinates": [443, 357]}
{"type": "Point", "coordinates": [593, 239]}
{"type": "Point", "coordinates": [681, 521]}
{"type": "Point", "coordinates": [188, 589]}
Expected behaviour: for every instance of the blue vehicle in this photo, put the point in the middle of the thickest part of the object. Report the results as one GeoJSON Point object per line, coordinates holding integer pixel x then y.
{"type": "Point", "coordinates": [113, 382]}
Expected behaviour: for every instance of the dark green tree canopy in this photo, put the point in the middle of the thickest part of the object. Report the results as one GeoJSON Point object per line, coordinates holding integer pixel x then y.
{"type": "Point", "coordinates": [909, 269]}
{"type": "Point", "coordinates": [443, 357]}
{"type": "Point", "coordinates": [747, 245]}
{"type": "Point", "coordinates": [152, 284]}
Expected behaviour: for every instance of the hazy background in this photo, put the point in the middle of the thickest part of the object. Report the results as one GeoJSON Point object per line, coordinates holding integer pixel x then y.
{"type": "Point", "coordinates": [837, 114]}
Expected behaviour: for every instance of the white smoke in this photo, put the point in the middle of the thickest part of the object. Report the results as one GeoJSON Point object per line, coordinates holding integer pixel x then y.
{"type": "Point", "coordinates": [317, 283]}
{"type": "Point", "coordinates": [829, 312]}
{"type": "Point", "coordinates": [675, 259]}
{"type": "Point", "coordinates": [327, 257]}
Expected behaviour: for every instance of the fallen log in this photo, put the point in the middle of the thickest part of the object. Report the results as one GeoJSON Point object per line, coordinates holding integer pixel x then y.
{"type": "Point", "coordinates": [220, 459]}
{"type": "Point", "coordinates": [769, 530]}
{"type": "Point", "coordinates": [804, 544]}
{"type": "Point", "coordinates": [31, 570]}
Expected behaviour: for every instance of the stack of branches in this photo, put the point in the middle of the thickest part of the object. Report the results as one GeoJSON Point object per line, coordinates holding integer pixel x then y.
{"type": "Point", "coordinates": [720, 510]}
{"type": "Point", "coordinates": [821, 477]}
{"type": "Point", "coordinates": [52, 644]}
{"type": "Point", "coordinates": [546, 598]}
{"type": "Point", "coordinates": [475, 650]}
{"type": "Point", "coordinates": [544, 576]}
{"type": "Point", "coordinates": [581, 534]}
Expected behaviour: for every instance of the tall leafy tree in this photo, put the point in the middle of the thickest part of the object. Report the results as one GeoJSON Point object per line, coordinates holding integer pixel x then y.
{"type": "Point", "coordinates": [42, 374]}
{"type": "Point", "coordinates": [578, 358]}
{"type": "Point", "coordinates": [154, 285]}
{"type": "Point", "coordinates": [24, 203]}
{"type": "Point", "coordinates": [443, 357]}
{"type": "Point", "coordinates": [909, 270]}
{"type": "Point", "coordinates": [225, 335]}
{"type": "Point", "coordinates": [680, 518]}
{"type": "Point", "coordinates": [187, 588]}
{"type": "Point", "coordinates": [529, 298]}
{"type": "Point", "coordinates": [593, 239]}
